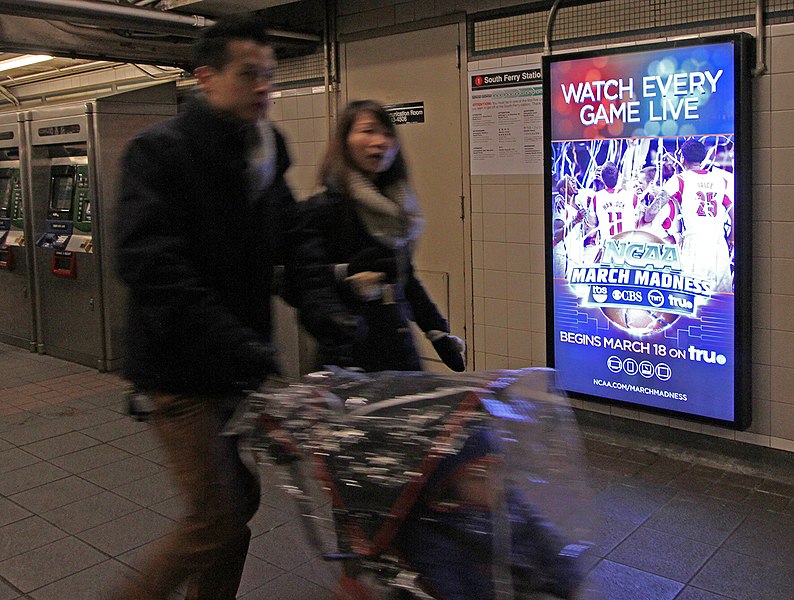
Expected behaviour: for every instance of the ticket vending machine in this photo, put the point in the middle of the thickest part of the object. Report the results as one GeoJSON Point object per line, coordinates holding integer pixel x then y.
{"type": "Point", "coordinates": [67, 228]}
{"type": "Point", "coordinates": [75, 155]}
{"type": "Point", "coordinates": [17, 312]}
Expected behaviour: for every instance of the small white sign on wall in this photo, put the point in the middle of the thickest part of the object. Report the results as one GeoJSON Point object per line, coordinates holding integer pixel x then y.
{"type": "Point", "coordinates": [406, 112]}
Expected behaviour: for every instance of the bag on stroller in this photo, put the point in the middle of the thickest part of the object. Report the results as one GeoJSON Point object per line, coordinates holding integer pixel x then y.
{"type": "Point", "coordinates": [442, 487]}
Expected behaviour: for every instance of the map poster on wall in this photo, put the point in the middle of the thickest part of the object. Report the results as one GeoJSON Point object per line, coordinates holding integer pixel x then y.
{"type": "Point", "coordinates": [648, 226]}
{"type": "Point", "coordinates": [506, 121]}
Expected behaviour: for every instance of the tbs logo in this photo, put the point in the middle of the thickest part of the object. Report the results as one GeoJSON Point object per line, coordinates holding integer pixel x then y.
{"type": "Point", "coordinates": [599, 293]}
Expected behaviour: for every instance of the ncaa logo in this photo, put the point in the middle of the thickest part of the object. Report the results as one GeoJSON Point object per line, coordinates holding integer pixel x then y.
{"type": "Point", "coordinates": [656, 298]}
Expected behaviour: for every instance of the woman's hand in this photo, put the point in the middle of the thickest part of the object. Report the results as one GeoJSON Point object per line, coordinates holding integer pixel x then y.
{"type": "Point", "coordinates": [366, 285]}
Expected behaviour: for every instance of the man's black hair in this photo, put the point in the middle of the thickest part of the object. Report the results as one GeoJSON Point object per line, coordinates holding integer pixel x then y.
{"type": "Point", "coordinates": [693, 151]}
{"type": "Point", "coordinates": [609, 174]}
{"type": "Point", "coordinates": [210, 48]}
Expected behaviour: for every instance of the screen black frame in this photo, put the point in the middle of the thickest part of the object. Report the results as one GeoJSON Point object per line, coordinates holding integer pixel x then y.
{"type": "Point", "coordinates": [55, 178]}
{"type": "Point", "coordinates": [742, 381]}
{"type": "Point", "coordinates": [6, 195]}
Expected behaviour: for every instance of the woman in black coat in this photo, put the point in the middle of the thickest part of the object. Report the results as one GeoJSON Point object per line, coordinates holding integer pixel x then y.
{"type": "Point", "coordinates": [353, 266]}
{"type": "Point", "coordinates": [358, 293]}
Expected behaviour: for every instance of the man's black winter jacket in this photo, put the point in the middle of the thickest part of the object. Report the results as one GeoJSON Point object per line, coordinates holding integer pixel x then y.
{"type": "Point", "coordinates": [197, 254]}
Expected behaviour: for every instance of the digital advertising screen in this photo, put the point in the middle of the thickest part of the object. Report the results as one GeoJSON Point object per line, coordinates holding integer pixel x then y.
{"type": "Point", "coordinates": [5, 197]}
{"type": "Point", "coordinates": [62, 192]}
{"type": "Point", "coordinates": [5, 194]}
{"type": "Point", "coordinates": [648, 226]}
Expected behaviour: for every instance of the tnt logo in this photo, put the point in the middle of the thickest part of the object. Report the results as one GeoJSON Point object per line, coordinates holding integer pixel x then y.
{"type": "Point", "coordinates": [656, 298]}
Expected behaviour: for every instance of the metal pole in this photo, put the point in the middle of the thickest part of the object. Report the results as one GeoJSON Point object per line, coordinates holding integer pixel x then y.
{"type": "Point", "coordinates": [124, 17]}
{"type": "Point", "coordinates": [549, 26]}
{"type": "Point", "coordinates": [116, 15]}
{"type": "Point", "coordinates": [760, 39]}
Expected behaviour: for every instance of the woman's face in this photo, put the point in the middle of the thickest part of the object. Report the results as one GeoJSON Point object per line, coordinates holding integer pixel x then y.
{"type": "Point", "coordinates": [372, 148]}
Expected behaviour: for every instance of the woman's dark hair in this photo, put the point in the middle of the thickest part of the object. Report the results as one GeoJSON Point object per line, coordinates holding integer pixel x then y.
{"type": "Point", "coordinates": [338, 162]}
{"type": "Point", "coordinates": [211, 47]}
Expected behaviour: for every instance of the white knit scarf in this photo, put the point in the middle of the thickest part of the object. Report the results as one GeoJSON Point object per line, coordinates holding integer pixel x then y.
{"type": "Point", "coordinates": [391, 216]}
{"type": "Point", "coordinates": [262, 158]}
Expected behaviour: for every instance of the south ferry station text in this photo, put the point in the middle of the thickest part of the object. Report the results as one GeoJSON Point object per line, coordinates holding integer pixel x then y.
{"type": "Point", "coordinates": [584, 339]}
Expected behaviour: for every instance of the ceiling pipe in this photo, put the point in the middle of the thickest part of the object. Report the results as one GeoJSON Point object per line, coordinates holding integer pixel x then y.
{"type": "Point", "coordinates": [80, 69]}
{"type": "Point", "coordinates": [123, 17]}
{"type": "Point", "coordinates": [114, 15]}
{"type": "Point", "coordinates": [9, 96]}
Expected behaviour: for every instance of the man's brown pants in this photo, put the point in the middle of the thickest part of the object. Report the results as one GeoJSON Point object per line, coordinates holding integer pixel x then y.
{"type": "Point", "coordinates": [209, 547]}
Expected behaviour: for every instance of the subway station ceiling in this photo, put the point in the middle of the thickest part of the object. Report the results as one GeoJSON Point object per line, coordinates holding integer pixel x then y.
{"type": "Point", "coordinates": [78, 35]}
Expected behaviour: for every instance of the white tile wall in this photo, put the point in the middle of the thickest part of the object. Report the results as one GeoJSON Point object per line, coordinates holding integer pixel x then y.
{"type": "Point", "coordinates": [300, 116]}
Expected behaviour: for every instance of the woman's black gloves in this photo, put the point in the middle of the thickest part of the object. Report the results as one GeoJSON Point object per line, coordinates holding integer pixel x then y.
{"type": "Point", "coordinates": [449, 348]}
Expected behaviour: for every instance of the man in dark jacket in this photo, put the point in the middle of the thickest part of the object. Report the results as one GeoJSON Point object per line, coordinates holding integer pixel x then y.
{"type": "Point", "coordinates": [201, 224]}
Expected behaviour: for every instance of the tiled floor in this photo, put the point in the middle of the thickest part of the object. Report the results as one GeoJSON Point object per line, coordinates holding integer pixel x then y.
{"type": "Point", "coordinates": [83, 490]}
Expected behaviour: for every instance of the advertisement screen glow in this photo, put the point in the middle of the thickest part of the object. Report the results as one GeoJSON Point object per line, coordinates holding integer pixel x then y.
{"type": "Point", "coordinates": [642, 221]}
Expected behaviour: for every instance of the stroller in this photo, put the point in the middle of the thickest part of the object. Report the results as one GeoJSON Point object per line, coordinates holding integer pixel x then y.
{"type": "Point", "coordinates": [441, 487]}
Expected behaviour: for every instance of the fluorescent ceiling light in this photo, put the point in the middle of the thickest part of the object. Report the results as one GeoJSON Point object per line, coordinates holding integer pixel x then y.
{"type": "Point", "coordinates": [23, 61]}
